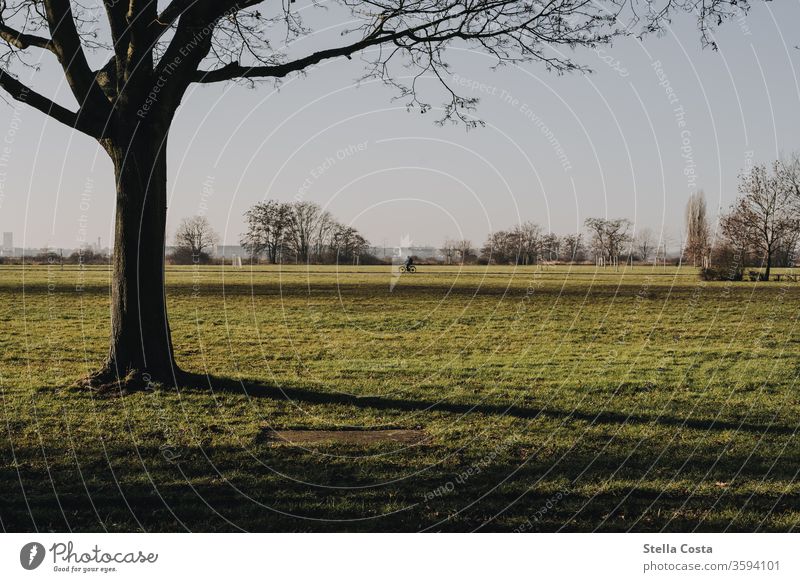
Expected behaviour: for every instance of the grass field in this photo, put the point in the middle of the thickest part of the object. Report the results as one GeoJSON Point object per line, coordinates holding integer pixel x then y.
{"type": "Point", "coordinates": [557, 399]}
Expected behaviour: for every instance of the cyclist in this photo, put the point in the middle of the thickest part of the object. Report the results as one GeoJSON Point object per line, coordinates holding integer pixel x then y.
{"type": "Point", "coordinates": [409, 263]}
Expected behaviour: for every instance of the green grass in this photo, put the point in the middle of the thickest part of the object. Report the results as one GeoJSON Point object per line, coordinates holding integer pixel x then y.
{"type": "Point", "coordinates": [556, 399]}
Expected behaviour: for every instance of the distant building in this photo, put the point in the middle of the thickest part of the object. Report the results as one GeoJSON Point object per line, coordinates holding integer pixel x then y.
{"type": "Point", "coordinates": [229, 251]}
{"type": "Point", "coordinates": [385, 253]}
{"type": "Point", "coordinates": [218, 251]}
{"type": "Point", "coordinates": [416, 251]}
{"type": "Point", "coordinates": [407, 248]}
{"type": "Point", "coordinates": [8, 244]}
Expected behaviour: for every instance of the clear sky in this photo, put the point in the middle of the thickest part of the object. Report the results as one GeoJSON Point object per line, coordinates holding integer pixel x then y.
{"type": "Point", "coordinates": [634, 138]}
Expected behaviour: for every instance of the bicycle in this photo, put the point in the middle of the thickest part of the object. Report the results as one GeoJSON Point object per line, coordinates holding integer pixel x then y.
{"type": "Point", "coordinates": [411, 269]}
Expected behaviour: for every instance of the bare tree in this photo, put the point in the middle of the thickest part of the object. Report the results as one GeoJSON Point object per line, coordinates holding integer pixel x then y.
{"type": "Point", "coordinates": [347, 244]}
{"type": "Point", "coordinates": [765, 213]}
{"type": "Point", "coordinates": [464, 250]}
{"type": "Point", "coordinates": [645, 243]}
{"type": "Point", "coordinates": [325, 230]}
{"type": "Point", "coordinates": [609, 237]}
{"type": "Point", "coordinates": [698, 244]}
{"type": "Point", "coordinates": [501, 248]}
{"type": "Point", "coordinates": [574, 251]}
{"type": "Point", "coordinates": [196, 238]}
{"type": "Point", "coordinates": [598, 243]}
{"type": "Point", "coordinates": [449, 250]}
{"type": "Point", "coordinates": [160, 48]}
{"type": "Point", "coordinates": [551, 246]}
{"type": "Point", "coordinates": [729, 252]}
{"type": "Point", "coordinates": [789, 177]}
{"type": "Point", "coordinates": [527, 237]}
{"type": "Point", "coordinates": [303, 225]}
{"type": "Point", "coordinates": [788, 174]}
{"type": "Point", "coordinates": [786, 251]}
{"type": "Point", "coordinates": [267, 223]}
{"type": "Point", "coordinates": [663, 246]}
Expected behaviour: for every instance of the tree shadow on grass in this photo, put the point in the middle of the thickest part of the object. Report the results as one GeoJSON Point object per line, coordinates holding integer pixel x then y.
{"type": "Point", "coordinates": [255, 389]}
{"type": "Point", "coordinates": [131, 484]}
{"type": "Point", "coordinates": [221, 488]}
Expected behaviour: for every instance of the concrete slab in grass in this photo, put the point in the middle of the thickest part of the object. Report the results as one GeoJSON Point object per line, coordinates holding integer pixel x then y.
{"type": "Point", "coordinates": [350, 437]}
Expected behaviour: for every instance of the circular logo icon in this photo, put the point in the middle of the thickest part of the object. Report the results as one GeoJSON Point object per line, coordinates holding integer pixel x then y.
{"type": "Point", "coordinates": [31, 555]}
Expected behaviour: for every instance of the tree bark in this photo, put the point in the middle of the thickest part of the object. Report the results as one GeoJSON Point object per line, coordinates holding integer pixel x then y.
{"type": "Point", "coordinates": [141, 345]}
{"type": "Point", "coordinates": [769, 265]}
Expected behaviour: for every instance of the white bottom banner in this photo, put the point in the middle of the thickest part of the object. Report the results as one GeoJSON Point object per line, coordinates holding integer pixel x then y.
{"type": "Point", "coordinates": [399, 557]}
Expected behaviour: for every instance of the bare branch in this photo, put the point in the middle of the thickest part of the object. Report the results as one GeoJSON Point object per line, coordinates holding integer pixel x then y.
{"type": "Point", "coordinates": [68, 49]}
{"type": "Point", "coordinates": [158, 54]}
{"type": "Point", "coordinates": [23, 41]}
{"type": "Point", "coordinates": [24, 94]}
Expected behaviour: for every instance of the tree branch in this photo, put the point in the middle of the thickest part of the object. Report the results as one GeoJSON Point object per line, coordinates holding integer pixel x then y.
{"type": "Point", "coordinates": [24, 94]}
{"type": "Point", "coordinates": [139, 38]}
{"type": "Point", "coordinates": [68, 49]}
{"type": "Point", "coordinates": [173, 11]}
{"type": "Point", "coordinates": [23, 41]}
{"type": "Point", "coordinates": [115, 14]}
{"type": "Point", "coordinates": [187, 49]}
{"type": "Point", "coordinates": [236, 71]}
{"type": "Point", "coordinates": [446, 24]}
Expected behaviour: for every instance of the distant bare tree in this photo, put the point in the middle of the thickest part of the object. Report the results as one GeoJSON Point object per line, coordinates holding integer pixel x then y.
{"type": "Point", "coordinates": [527, 237]}
{"type": "Point", "coordinates": [322, 234]}
{"type": "Point", "coordinates": [698, 243]}
{"type": "Point", "coordinates": [551, 246]}
{"type": "Point", "coordinates": [195, 236]}
{"type": "Point", "coordinates": [449, 250]}
{"type": "Point", "coordinates": [501, 248]}
{"type": "Point", "coordinates": [573, 248]}
{"type": "Point", "coordinates": [644, 244]}
{"type": "Point", "coordinates": [764, 214]}
{"type": "Point", "coordinates": [786, 252]}
{"type": "Point", "coordinates": [347, 244]}
{"type": "Point", "coordinates": [789, 178]}
{"type": "Point", "coordinates": [267, 223]}
{"type": "Point", "coordinates": [303, 226]}
{"type": "Point", "coordinates": [788, 175]}
{"type": "Point", "coordinates": [609, 237]}
{"type": "Point", "coordinates": [598, 244]}
{"type": "Point", "coordinates": [464, 250]}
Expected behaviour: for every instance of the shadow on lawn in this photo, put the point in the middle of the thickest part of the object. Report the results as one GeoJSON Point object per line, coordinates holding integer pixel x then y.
{"type": "Point", "coordinates": [126, 487]}
{"type": "Point", "coordinates": [127, 484]}
{"type": "Point", "coordinates": [255, 389]}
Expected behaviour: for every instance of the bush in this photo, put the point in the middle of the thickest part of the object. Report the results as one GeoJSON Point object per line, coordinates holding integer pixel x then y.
{"type": "Point", "coordinates": [726, 264]}
{"type": "Point", "coordinates": [716, 274]}
{"type": "Point", "coordinates": [185, 256]}
{"type": "Point", "coordinates": [87, 257]}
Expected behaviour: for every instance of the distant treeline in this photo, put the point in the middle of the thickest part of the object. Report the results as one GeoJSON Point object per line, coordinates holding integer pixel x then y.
{"type": "Point", "coordinates": [301, 232]}
{"type": "Point", "coordinates": [85, 256]}
{"type": "Point", "coordinates": [761, 229]}
{"type": "Point", "coordinates": [605, 242]}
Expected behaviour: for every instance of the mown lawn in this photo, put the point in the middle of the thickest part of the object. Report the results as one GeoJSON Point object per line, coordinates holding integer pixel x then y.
{"type": "Point", "coordinates": [558, 399]}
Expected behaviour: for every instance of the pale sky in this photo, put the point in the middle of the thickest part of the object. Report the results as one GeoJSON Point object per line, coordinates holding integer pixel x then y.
{"type": "Point", "coordinates": [555, 149]}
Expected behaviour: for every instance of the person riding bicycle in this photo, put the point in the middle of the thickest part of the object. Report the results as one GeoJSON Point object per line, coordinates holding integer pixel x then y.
{"type": "Point", "coordinates": [409, 263]}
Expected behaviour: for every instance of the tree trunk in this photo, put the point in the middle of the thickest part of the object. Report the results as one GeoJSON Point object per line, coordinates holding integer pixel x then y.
{"type": "Point", "coordinates": [141, 344]}
{"type": "Point", "coordinates": [769, 265]}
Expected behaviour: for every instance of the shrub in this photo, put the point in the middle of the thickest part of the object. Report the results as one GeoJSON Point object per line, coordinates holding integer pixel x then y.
{"type": "Point", "coordinates": [727, 264]}
{"type": "Point", "coordinates": [185, 256]}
